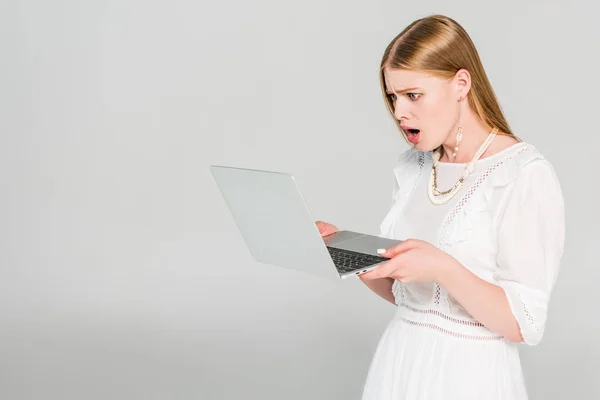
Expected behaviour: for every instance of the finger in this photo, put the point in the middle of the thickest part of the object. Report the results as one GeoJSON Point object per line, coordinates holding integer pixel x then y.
{"type": "Point", "coordinates": [324, 227]}
{"type": "Point", "coordinates": [330, 231]}
{"type": "Point", "coordinates": [399, 248]}
{"type": "Point", "coordinates": [320, 225]}
{"type": "Point", "coordinates": [382, 271]}
{"type": "Point", "coordinates": [326, 232]}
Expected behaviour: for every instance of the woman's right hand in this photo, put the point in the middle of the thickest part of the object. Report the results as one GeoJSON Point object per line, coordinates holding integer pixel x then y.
{"type": "Point", "coordinates": [326, 229]}
{"type": "Point", "coordinates": [382, 287]}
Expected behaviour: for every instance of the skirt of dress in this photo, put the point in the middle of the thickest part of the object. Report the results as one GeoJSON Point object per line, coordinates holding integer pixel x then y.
{"type": "Point", "coordinates": [413, 362]}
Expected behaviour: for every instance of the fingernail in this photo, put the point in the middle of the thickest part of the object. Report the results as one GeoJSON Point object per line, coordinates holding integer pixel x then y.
{"type": "Point", "coordinates": [381, 251]}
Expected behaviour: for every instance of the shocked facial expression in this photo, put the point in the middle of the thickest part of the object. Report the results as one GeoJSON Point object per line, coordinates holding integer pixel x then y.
{"type": "Point", "coordinates": [427, 106]}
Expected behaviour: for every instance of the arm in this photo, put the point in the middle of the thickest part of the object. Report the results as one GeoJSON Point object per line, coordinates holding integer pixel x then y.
{"type": "Point", "coordinates": [530, 246]}
{"type": "Point", "coordinates": [484, 301]}
{"type": "Point", "coordinates": [382, 287]}
{"type": "Point", "coordinates": [530, 239]}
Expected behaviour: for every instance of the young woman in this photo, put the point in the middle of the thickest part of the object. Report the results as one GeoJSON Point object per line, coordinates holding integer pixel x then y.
{"type": "Point", "coordinates": [482, 219]}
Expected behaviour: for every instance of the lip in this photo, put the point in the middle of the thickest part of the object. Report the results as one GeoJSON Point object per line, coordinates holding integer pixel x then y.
{"type": "Point", "coordinates": [414, 139]}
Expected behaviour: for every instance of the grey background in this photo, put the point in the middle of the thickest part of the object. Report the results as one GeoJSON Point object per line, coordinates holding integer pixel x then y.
{"type": "Point", "coordinates": [123, 275]}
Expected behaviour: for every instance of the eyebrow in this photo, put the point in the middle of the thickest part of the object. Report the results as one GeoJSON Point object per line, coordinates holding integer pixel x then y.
{"type": "Point", "coordinates": [403, 90]}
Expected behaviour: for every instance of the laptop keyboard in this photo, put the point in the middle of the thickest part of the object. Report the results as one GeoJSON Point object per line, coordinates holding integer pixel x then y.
{"type": "Point", "coordinates": [347, 261]}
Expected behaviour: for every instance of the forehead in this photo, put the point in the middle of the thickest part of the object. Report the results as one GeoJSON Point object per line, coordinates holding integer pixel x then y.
{"type": "Point", "coordinates": [400, 79]}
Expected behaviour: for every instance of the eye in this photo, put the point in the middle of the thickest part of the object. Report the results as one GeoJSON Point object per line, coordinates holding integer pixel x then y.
{"type": "Point", "coordinates": [413, 96]}
{"type": "Point", "coordinates": [392, 97]}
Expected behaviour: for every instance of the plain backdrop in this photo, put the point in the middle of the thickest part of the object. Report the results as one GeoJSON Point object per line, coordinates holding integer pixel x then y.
{"type": "Point", "coordinates": [122, 272]}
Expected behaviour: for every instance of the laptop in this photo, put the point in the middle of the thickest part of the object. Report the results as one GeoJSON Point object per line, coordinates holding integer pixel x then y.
{"type": "Point", "coordinates": [278, 229]}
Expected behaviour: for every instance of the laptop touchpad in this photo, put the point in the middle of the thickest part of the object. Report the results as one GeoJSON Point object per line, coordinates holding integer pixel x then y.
{"type": "Point", "coordinates": [368, 244]}
{"type": "Point", "coordinates": [340, 237]}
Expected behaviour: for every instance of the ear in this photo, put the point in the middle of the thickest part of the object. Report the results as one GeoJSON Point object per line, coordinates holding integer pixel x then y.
{"type": "Point", "coordinates": [462, 83]}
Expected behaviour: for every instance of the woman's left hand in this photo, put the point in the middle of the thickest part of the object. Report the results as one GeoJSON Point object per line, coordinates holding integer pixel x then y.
{"type": "Point", "coordinates": [412, 260]}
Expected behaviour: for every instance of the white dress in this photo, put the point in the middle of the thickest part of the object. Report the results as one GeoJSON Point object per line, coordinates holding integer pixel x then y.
{"type": "Point", "coordinates": [506, 226]}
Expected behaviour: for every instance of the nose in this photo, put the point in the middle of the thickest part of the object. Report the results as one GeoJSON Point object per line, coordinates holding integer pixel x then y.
{"type": "Point", "coordinates": [400, 110]}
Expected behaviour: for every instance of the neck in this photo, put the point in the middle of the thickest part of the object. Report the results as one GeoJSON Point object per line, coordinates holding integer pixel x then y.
{"type": "Point", "coordinates": [474, 133]}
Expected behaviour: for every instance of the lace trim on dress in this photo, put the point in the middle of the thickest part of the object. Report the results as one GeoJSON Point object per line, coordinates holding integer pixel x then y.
{"type": "Point", "coordinates": [455, 334]}
{"type": "Point", "coordinates": [530, 317]}
{"type": "Point", "coordinates": [442, 315]}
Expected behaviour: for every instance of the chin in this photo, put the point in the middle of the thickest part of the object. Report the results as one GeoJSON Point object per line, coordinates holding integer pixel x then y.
{"type": "Point", "coordinates": [424, 146]}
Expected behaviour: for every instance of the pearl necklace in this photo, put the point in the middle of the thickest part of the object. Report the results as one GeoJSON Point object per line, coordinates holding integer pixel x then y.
{"type": "Point", "coordinates": [438, 197]}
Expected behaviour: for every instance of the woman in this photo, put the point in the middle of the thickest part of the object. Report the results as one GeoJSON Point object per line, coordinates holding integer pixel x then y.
{"type": "Point", "coordinates": [482, 216]}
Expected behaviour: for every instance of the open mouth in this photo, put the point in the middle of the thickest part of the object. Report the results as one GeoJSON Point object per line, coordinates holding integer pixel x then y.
{"type": "Point", "coordinates": [413, 135]}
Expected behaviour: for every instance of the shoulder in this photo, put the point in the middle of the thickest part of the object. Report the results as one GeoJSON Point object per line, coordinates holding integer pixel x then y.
{"type": "Point", "coordinates": [530, 177]}
{"type": "Point", "coordinates": [533, 165]}
{"type": "Point", "coordinates": [521, 177]}
{"type": "Point", "coordinates": [521, 161]}
{"type": "Point", "coordinates": [533, 207]}
{"type": "Point", "coordinates": [409, 167]}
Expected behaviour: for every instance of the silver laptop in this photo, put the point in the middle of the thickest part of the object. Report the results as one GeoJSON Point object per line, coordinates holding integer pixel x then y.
{"type": "Point", "coordinates": [278, 229]}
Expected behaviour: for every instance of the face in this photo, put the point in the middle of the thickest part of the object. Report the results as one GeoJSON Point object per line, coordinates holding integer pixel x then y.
{"type": "Point", "coordinates": [427, 106]}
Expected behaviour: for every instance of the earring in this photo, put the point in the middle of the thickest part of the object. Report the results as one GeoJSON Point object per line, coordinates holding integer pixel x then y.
{"type": "Point", "coordinates": [458, 139]}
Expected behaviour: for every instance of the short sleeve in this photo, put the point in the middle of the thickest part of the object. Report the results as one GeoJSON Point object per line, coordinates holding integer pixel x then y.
{"type": "Point", "coordinates": [530, 246]}
{"type": "Point", "coordinates": [406, 174]}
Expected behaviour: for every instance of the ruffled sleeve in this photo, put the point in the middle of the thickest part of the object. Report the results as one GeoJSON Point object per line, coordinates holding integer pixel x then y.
{"type": "Point", "coordinates": [530, 246]}
{"type": "Point", "coordinates": [407, 170]}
